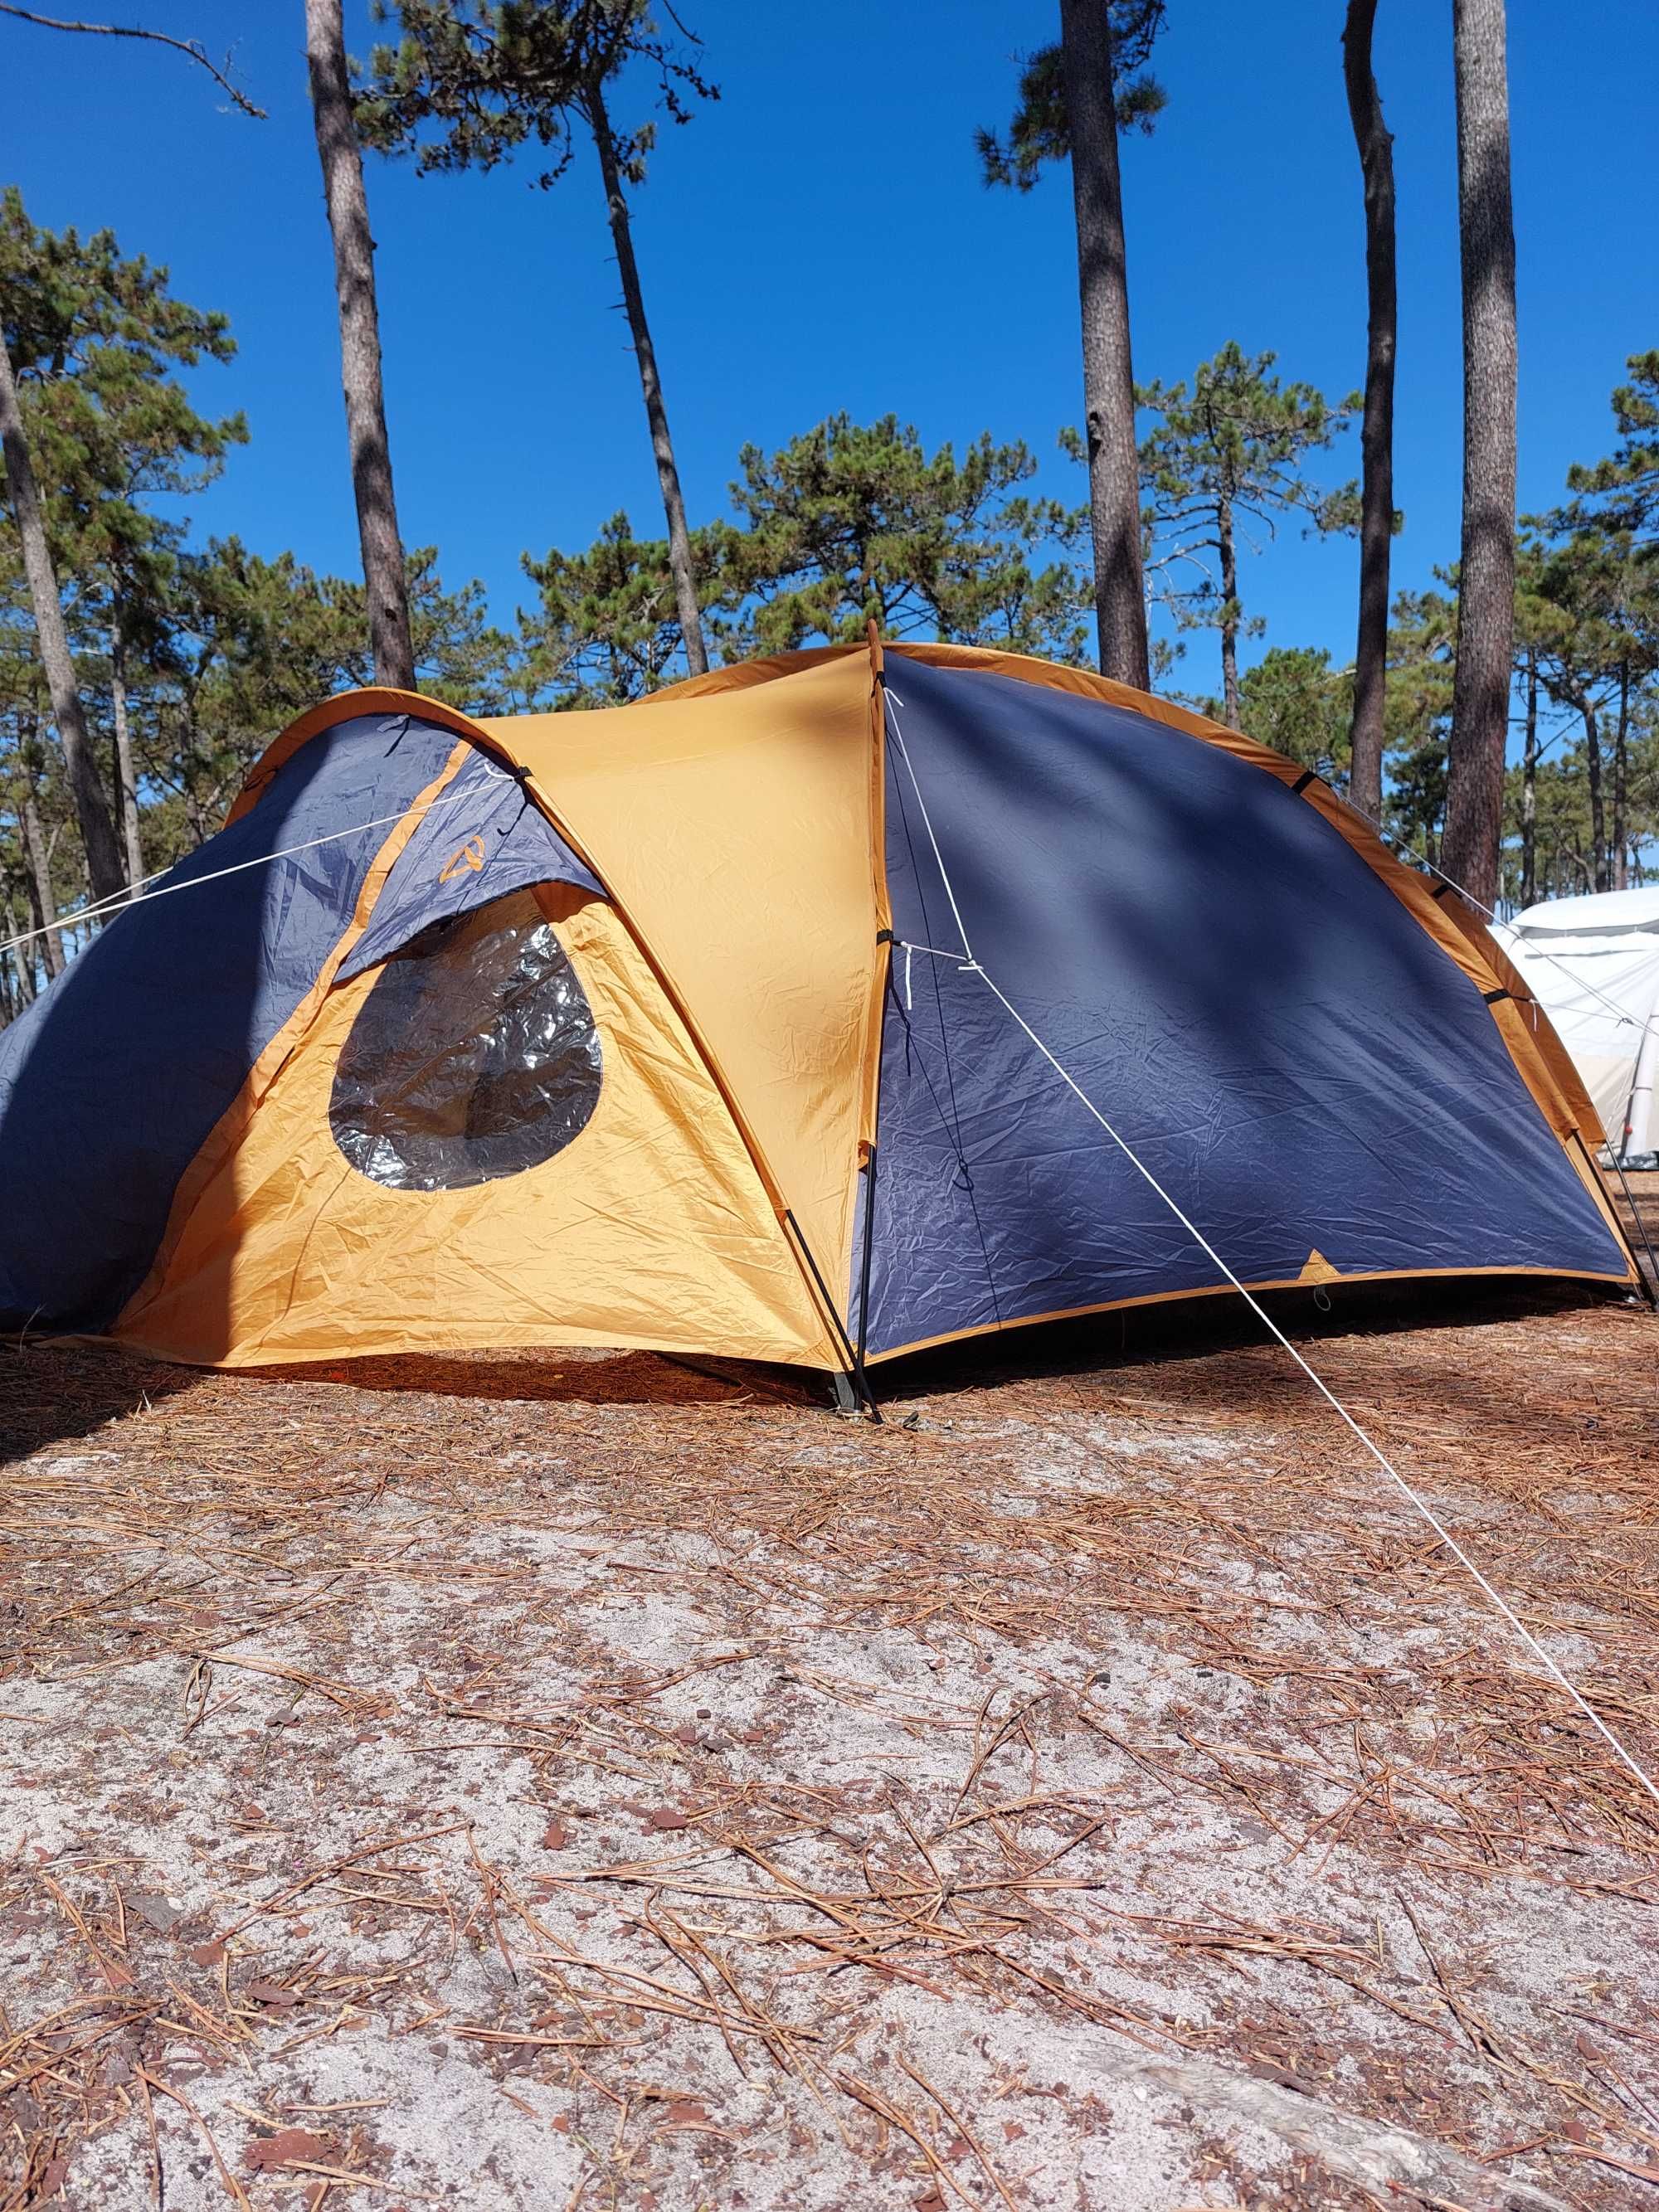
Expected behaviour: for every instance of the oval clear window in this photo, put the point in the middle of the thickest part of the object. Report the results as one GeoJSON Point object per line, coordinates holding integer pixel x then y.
{"type": "Point", "coordinates": [474, 1056]}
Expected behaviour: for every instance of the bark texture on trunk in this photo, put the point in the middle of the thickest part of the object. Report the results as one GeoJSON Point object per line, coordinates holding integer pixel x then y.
{"type": "Point", "coordinates": [19, 960]}
{"type": "Point", "coordinates": [1229, 551]}
{"type": "Point", "coordinates": [1109, 395]}
{"type": "Point", "coordinates": [1597, 804]}
{"type": "Point", "coordinates": [125, 776]}
{"type": "Point", "coordinates": [385, 582]}
{"type": "Point", "coordinates": [1371, 665]}
{"type": "Point", "coordinates": [668, 474]}
{"type": "Point", "coordinates": [1529, 791]}
{"type": "Point", "coordinates": [103, 869]}
{"type": "Point", "coordinates": [40, 891]}
{"type": "Point", "coordinates": [1621, 782]}
{"type": "Point", "coordinates": [1485, 599]}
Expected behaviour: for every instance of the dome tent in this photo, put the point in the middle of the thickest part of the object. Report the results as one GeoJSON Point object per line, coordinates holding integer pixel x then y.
{"type": "Point", "coordinates": [1593, 964]}
{"type": "Point", "coordinates": [717, 1023]}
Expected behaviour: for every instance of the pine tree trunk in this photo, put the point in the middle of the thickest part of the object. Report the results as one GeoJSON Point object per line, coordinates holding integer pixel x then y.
{"type": "Point", "coordinates": [385, 580]}
{"type": "Point", "coordinates": [22, 961]}
{"type": "Point", "coordinates": [1621, 778]}
{"type": "Point", "coordinates": [126, 779]}
{"type": "Point", "coordinates": [91, 809]}
{"type": "Point", "coordinates": [668, 474]}
{"type": "Point", "coordinates": [1228, 613]}
{"type": "Point", "coordinates": [1108, 391]}
{"type": "Point", "coordinates": [1529, 791]}
{"type": "Point", "coordinates": [1485, 599]}
{"type": "Point", "coordinates": [1377, 433]}
{"type": "Point", "coordinates": [1597, 806]}
{"type": "Point", "coordinates": [45, 904]}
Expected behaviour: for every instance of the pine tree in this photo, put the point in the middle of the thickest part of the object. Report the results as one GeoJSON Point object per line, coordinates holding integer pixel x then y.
{"type": "Point", "coordinates": [1074, 98]}
{"type": "Point", "coordinates": [87, 393]}
{"type": "Point", "coordinates": [472, 79]}
{"type": "Point", "coordinates": [1486, 597]}
{"type": "Point", "coordinates": [1376, 522]}
{"type": "Point", "coordinates": [1226, 454]}
{"type": "Point", "coordinates": [360, 346]}
{"type": "Point", "coordinates": [854, 523]}
{"type": "Point", "coordinates": [1294, 701]}
{"type": "Point", "coordinates": [1621, 493]}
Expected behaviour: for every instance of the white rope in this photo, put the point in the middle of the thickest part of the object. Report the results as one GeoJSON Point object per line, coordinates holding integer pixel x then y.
{"type": "Point", "coordinates": [972, 967]}
{"type": "Point", "coordinates": [123, 900]}
{"type": "Point", "coordinates": [893, 701]}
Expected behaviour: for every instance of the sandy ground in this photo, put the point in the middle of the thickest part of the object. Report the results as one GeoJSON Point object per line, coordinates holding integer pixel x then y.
{"type": "Point", "coordinates": [580, 1781]}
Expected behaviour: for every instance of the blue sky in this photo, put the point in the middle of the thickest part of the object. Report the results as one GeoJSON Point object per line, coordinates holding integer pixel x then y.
{"type": "Point", "coordinates": [820, 240]}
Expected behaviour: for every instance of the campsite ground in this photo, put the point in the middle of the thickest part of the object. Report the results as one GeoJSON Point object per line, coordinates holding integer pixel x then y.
{"type": "Point", "coordinates": [579, 1781]}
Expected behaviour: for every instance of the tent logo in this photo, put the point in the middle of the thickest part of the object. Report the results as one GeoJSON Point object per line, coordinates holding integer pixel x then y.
{"type": "Point", "coordinates": [471, 856]}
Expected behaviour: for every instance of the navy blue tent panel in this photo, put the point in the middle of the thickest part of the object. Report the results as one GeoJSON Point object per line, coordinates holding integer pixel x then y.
{"type": "Point", "coordinates": [480, 840]}
{"type": "Point", "coordinates": [112, 1081]}
{"type": "Point", "coordinates": [1292, 1055]}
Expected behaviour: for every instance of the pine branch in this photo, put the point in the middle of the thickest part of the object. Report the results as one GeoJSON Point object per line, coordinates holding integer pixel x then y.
{"type": "Point", "coordinates": [191, 47]}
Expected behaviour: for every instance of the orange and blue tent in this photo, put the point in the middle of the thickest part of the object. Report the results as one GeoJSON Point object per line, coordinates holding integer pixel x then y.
{"type": "Point", "coordinates": [813, 1011]}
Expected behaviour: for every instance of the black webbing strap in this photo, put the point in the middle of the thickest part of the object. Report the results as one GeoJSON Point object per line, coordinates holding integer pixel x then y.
{"type": "Point", "coordinates": [1308, 775]}
{"type": "Point", "coordinates": [1492, 998]}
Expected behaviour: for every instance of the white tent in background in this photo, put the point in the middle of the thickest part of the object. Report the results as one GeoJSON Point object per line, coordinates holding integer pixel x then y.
{"type": "Point", "coordinates": [1593, 963]}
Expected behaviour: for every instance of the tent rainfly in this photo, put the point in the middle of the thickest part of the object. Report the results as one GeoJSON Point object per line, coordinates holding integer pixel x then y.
{"type": "Point", "coordinates": [733, 1021]}
{"type": "Point", "coordinates": [1593, 964]}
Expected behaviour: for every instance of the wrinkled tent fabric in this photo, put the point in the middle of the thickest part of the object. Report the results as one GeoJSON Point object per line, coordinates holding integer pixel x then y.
{"type": "Point", "coordinates": [609, 1029]}
{"type": "Point", "coordinates": [1300, 1066]}
{"type": "Point", "coordinates": [1593, 964]}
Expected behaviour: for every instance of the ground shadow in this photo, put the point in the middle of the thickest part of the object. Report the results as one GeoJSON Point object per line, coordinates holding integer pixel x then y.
{"type": "Point", "coordinates": [562, 1375]}
{"type": "Point", "coordinates": [63, 1392]}
{"type": "Point", "coordinates": [1183, 1331]}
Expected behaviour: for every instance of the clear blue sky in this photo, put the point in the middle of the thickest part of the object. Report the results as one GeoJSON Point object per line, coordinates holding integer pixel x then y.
{"type": "Point", "coordinates": [820, 240]}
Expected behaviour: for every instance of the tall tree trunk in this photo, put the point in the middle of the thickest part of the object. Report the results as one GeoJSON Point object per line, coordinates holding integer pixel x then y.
{"type": "Point", "coordinates": [193, 813]}
{"type": "Point", "coordinates": [386, 584]}
{"type": "Point", "coordinates": [1108, 391]}
{"type": "Point", "coordinates": [126, 779]}
{"type": "Point", "coordinates": [1486, 598]}
{"type": "Point", "coordinates": [668, 474]}
{"type": "Point", "coordinates": [1370, 663]}
{"type": "Point", "coordinates": [91, 810]}
{"type": "Point", "coordinates": [1229, 612]}
{"type": "Point", "coordinates": [20, 959]}
{"type": "Point", "coordinates": [1597, 807]}
{"type": "Point", "coordinates": [1529, 790]}
{"type": "Point", "coordinates": [1621, 779]}
{"type": "Point", "coordinates": [45, 904]}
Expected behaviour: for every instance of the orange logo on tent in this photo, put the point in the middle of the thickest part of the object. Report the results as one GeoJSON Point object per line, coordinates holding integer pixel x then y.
{"type": "Point", "coordinates": [471, 856]}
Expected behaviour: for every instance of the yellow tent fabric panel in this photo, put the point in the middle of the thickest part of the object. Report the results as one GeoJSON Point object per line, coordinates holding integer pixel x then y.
{"type": "Point", "coordinates": [737, 831]}
{"type": "Point", "coordinates": [651, 1228]}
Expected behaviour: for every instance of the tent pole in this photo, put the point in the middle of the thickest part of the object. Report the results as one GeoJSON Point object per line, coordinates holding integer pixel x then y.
{"type": "Point", "coordinates": [1652, 1289]}
{"type": "Point", "coordinates": [852, 1375]}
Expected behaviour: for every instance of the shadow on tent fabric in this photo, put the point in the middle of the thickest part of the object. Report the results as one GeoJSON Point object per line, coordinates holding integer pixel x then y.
{"type": "Point", "coordinates": [1305, 1072]}
{"type": "Point", "coordinates": [110, 1084]}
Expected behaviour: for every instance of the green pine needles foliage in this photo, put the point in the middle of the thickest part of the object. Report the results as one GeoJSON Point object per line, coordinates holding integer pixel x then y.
{"type": "Point", "coordinates": [192, 650]}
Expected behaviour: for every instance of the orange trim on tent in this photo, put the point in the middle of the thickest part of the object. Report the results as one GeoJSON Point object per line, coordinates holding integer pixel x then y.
{"type": "Point", "coordinates": [1225, 1289]}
